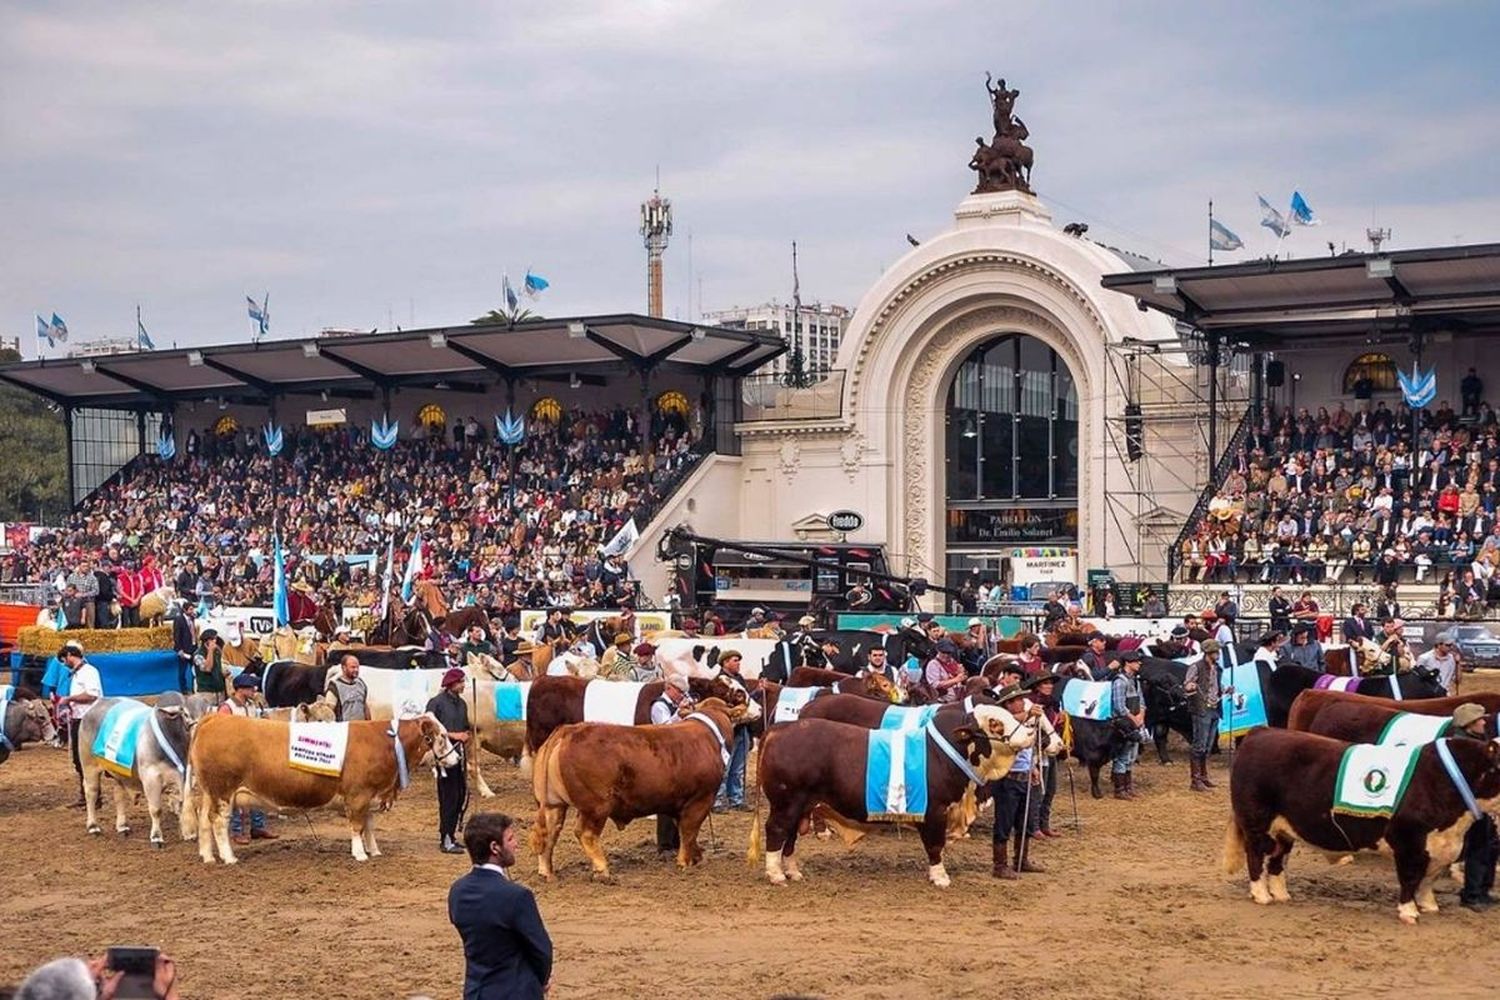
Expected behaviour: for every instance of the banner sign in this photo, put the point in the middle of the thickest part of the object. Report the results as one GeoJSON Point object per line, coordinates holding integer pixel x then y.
{"type": "Point", "coordinates": [1014, 525]}
{"type": "Point", "coordinates": [326, 418]}
{"type": "Point", "coordinates": [1029, 566]}
{"type": "Point", "coordinates": [645, 621]}
{"type": "Point", "coordinates": [318, 747]}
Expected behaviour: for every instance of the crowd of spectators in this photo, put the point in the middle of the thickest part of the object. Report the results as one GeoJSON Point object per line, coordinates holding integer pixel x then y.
{"type": "Point", "coordinates": [506, 527]}
{"type": "Point", "coordinates": [1379, 493]}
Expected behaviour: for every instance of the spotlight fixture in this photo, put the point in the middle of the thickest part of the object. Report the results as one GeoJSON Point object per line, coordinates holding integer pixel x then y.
{"type": "Point", "coordinates": [88, 367]}
{"type": "Point", "coordinates": [1165, 284]}
{"type": "Point", "coordinates": [577, 330]}
{"type": "Point", "coordinates": [574, 381]}
{"type": "Point", "coordinates": [195, 359]}
{"type": "Point", "coordinates": [1380, 267]}
{"type": "Point", "coordinates": [223, 403]}
{"type": "Point", "coordinates": [310, 350]}
{"type": "Point", "coordinates": [436, 340]}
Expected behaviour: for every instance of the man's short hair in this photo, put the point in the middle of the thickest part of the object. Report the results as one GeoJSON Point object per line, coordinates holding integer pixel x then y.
{"type": "Point", "coordinates": [344, 660]}
{"type": "Point", "coordinates": [62, 979]}
{"type": "Point", "coordinates": [482, 830]}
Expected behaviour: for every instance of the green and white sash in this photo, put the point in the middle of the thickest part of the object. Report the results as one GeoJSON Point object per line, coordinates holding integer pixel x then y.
{"type": "Point", "coordinates": [1408, 729]}
{"type": "Point", "coordinates": [1372, 779]}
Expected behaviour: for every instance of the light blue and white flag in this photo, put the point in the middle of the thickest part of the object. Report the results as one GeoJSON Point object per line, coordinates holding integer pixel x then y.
{"type": "Point", "coordinates": [59, 328]}
{"type": "Point", "coordinates": [413, 567]}
{"type": "Point", "coordinates": [511, 301]}
{"type": "Point", "coordinates": [535, 284]}
{"type": "Point", "coordinates": [384, 432]}
{"type": "Point", "coordinates": [260, 312]}
{"type": "Point", "coordinates": [1418, 389]}
{"type": "Point", "coordinates": [624, 539]}
{"type": "Point", "coordinates": [166, 447]}
{"type": "Point", "coordinates": [510, 429]}
{"type": "Point", "coordinates": [1302, 215]}
{"type": "Point", "coordinates": [142, 338]}
{"type": "Point", "coordinates": [279, 601]}
{"type": "Point", "coordinates": [1221, 237]}
{"type": "Point", "coordinates": [43, 332]}
{"type": "Point", "coordinates": [273, 437]}
{"type": "Point", "coordinates": [1272, 219]}
{"type": "Point", "coordinates": [390, 574]}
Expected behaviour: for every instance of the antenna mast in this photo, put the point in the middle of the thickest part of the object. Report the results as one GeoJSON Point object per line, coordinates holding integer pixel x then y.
{"type": "Point", "coordinates": [656, 229]}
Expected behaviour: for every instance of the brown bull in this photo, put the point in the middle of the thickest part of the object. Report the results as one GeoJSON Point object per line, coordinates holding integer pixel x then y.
{"type": "Point", "coordinates": [232, 755]}
{"type": "Point", "coordinates": [620, 773]}
{"type": "Point", "coordinates": [1281, 790]}
{"type": "Point", "coordinates": [817, 761]}
{"type": "Point", "coordinates": [1310, 705]}
{"type": "Point", "coordinates": [558, 701]}
{"type": "Point", "coordinates": [870, 685]}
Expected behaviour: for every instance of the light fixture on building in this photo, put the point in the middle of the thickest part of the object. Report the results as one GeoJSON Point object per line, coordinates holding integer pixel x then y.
{"type": "Point", "coordinates": [574, 381]}
{"type": "Point", "coordinates": [323, 395]}
{"type": "Point", "coordinates": [195, 359]}
{"type": "Point", "coordinates": [88, 367]}
{"type": "Point", "coordinates": [309, 350]}
{"type": "Point", "coordinates": [699, 333]}
{"type": "Point", "coordinates": [1380, 267]}
{"type": "Point", "coordinates": [223, 403]}
{"type": "Point", "coordinates": [578, 330]}
{"type": "Point", "coordinates": [1165, 284]}
{"type": "Point", "coordinates": [436, 340]}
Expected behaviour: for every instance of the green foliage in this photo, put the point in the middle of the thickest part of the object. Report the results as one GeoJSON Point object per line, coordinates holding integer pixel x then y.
{"type": "Point", "coordinates": [33, 461]}
{"type": "Point", "coordinates": [797, 376]}
{"type": "Point", "coordinates": [501, 316]}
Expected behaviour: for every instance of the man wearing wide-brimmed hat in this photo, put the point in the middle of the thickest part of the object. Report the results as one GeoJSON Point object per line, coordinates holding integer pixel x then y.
{"type": "Point", "coordinates": [1480, 845]}
{"type": "Point", "coordinates": [1010, 795]}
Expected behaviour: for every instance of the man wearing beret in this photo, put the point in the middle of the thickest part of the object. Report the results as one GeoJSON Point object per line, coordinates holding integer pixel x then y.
{"type": "Point", "coordinates": [1480, 847]}
{"type": "Point", "coordinates": [242, 702]}
{"type": "Point", "coordinates": [452, 787]}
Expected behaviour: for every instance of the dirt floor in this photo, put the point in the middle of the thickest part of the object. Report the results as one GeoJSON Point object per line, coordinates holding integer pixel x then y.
{"type": "Point", "coordinates": [1134, 905]}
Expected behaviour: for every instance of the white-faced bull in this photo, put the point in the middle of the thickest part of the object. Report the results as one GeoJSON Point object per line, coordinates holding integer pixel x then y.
{"type": "Point", "coordinates": [142, 748]}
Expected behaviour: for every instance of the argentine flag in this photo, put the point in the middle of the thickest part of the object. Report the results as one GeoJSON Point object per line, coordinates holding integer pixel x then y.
{"type": "Point", "coordinates": [1272, 219]}
{"type": "Point", "coordinates": [142, 338]}
{"type": "Point", "coordinates": [280, 604]}
{"type": "Point", "coordinates": [44, 332]}
{"type": "Point", "coordinates": [413, 567]}
{"type": "Point", "coordinates": [1302, 215]}
{"type": "Point", "coordinates": [1221, 237]}
{"type": "Point", "coordinates": [511, 302]}
{"type": "Point", "coordinates": [535, 284]}
{"type": "Point", "coordinates": [59, 328]}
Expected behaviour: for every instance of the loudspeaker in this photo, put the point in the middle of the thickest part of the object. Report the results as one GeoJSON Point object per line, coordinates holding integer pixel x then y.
{"type": "Point", "coordinates": [1135, 432]}
{"type": "Point", "coordinates": [1275, 374]}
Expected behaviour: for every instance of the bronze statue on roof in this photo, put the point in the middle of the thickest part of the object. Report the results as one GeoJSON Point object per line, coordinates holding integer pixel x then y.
{"type": "Point", "coordinates": [1004, 163]}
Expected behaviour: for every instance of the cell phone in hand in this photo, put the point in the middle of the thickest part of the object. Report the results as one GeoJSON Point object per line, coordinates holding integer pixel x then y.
{"type": "Point", "coordinates": [138, 966]}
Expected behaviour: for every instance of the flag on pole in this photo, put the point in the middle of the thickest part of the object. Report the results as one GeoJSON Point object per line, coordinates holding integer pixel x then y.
{"type": "Point", "coordinates": [1302, 215]}
{"type": "Point", "coordinates": [624, 539]}
{"type": "Point", "coordinates": [1418, 389]}
{"type": "Point", "coordinates": [59, 328]}
{"type": "Point", "coordinates": [390, 573]}
{"type": "Point", "coordinates": [280, 604]}
{"type": "Point", "coordinates": [260, 312]}
{"type": "Point", "coordinates": [1272, 219]}
{"type": "Point", "coordinates": [43, 332]}
{"type": "Point", "coordinates": [142, 338]}
{"type": "Point", "coordinates": [535, 284]}
{"type": "Point", "coordinates": [413, 567]}
{"type": "Point", "coordinates": [511, 302]}
{"type": "Point", "coordinates": [1221, 237]}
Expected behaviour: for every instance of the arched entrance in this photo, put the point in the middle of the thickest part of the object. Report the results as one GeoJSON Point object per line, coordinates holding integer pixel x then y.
{"type": "Point", "coordinates": [1011, 461]}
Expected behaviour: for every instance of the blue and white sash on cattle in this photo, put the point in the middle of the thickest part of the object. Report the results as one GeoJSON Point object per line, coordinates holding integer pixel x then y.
{"type": "Point", "coordinates": [1246, 707]}
{"type": "Point", "coordinates": [1328, 682]}
{"type": "Point", "coordinates": [896, 775]}
{"type": "Point", "coordinates": [791, 701]}
{"type": "Point", "coordinates": [908, 716]}
{"type": "Point", "coordinates": [119, 731]}
{"type": "Point", "coordinates": [1372, 779]}
{"type": "Point", "coordinates": [510, 701]}
{"type": "Point", "coordinates": [611, 701]}
{"type": "Point", "coordinates": [1408, 729]}
{"type": "Point", "coordinates": [1088, 700]}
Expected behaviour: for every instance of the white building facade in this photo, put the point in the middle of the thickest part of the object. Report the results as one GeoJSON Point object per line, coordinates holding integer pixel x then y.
{"type": "Point", "coordinates": [819, 329]}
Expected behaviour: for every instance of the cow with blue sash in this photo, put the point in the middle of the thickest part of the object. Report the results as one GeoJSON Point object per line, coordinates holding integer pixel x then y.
{"type": "Point", "coordinates": [144, 749]}
{"type": "Point", "coordinates": [862, 775]}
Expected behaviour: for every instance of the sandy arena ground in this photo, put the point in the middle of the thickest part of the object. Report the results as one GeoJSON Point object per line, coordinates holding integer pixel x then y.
{"type": "Point", "coordinates": [1134, 905]}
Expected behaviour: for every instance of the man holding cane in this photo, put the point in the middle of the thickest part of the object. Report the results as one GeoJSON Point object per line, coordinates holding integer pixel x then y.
{"type": "Point", "coordinates": [1011, 795]}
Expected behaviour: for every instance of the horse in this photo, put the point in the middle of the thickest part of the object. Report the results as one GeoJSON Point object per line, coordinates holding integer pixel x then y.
{"type": "Point", "coordinates": [329, 616]}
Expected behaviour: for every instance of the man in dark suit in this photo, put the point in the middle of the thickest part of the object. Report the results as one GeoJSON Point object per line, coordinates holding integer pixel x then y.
{"type": "Point", "coordinates": [507, 952]}
{"type": "Point", "coordinates": [185, 643]}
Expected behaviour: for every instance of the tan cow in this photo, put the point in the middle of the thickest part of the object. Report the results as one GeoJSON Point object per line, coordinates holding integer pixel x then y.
{"type": "Point", "coordinates": [232, 755]}
{"type": "Point", "coordinates": [620, 773]}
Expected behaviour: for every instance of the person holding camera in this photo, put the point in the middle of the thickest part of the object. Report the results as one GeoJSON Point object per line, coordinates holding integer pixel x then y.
{"type": "Point", "coordinates": [209, 673]}
{"type": "Point", "coordinates": [507, 951]}
{"type": "Point", "coordinates": [1129, 720]}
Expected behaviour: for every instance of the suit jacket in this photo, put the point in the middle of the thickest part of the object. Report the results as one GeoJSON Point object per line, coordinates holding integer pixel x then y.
{"type": "Point", "coordinates": [184, 636]}
{"type": "Point", "coordinates": [507, 951]}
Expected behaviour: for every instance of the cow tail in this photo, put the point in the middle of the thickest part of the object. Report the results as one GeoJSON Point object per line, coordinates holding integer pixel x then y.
{"type": "Point", "coordinates": [1234, 848]}
{"type": "Point", "coordinates": [755, 851]}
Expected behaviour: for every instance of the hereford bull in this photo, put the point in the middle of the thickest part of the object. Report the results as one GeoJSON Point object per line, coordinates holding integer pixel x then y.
{"type": "Point", "coordinates": [159, 752]}
{"type": "Point", "coordinates": [620, 773]}
{"type": "Point", "coordinates": [1283, 784]}
{"type": "Point", "coordinates": [1280, 687]}
{"type": "Point", "coordinates": [870, 685]}
{"type": "Point", "coordinates": [1309, 707]}
{"type": "Point", "coordinates": [820, 762]}
{"type": "Point", "coordinates": [232, 755]}
{"type": "Point", "coordinates": [559, 701]}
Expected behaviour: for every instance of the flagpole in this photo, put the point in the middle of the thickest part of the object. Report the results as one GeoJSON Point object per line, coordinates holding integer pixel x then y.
{"type": "Point", "coordinates": [1210, 232]}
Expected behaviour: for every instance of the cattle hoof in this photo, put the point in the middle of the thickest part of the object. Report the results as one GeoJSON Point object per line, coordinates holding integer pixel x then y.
{"type": "Point", "coordinates": [231, 860]}
{"type": "Point", "coordinates": [777, 878]}
{"type": "Point", "coordinates": [1097, 792]}
{"type": "Point", "coordinates": [94, 831]}
{"type": "Point", "coordinates": [123, 831]}
{"type": "Point", "coordinates": [158, 844]}
{"type": "Point", "coordinates": [604, 878]}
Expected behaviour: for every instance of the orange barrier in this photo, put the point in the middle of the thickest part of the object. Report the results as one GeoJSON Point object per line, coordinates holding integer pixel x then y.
{"type": "Point", "coordinates": [13, 617]}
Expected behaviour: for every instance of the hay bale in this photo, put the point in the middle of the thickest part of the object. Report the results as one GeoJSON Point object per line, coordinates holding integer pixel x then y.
{"type": "Point", "coordinates": [34, 640]}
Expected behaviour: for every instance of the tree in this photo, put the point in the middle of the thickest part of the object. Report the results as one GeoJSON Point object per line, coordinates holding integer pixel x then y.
{"type": "Point", "coordinates": [501, 316]}
{"type": "Point", "coordinates": [34, 474]}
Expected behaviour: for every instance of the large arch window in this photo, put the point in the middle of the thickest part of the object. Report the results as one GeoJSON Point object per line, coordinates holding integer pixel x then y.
{"type": "Point", "coordinates": [1377, 367]}
{"type": "Point", "coordinates": [1012, 424]}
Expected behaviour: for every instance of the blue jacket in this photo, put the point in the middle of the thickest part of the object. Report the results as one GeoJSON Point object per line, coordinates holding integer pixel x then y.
{"type": "Point", "coordinates": [506, 949]}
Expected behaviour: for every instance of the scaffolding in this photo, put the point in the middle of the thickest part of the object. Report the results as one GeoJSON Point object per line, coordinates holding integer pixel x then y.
{"type": "Point", "coordinates": [1173, 411]}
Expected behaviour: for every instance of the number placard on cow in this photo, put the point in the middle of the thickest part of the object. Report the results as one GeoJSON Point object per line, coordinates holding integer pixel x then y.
{"type": "Point", "coordinates": [317, 747]}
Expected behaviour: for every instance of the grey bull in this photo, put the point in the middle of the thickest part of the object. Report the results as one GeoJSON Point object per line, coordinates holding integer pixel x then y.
{"type": "Point", "coordinates": [22, 721]}
{"type": "Point", "coordinates": [160, 745]}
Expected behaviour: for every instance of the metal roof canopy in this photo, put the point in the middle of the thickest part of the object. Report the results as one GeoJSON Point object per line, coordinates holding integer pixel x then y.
{"type": "Point", "coordinates": [360, 366]}
{"type": "Point", "coordinates": [1276, 305]}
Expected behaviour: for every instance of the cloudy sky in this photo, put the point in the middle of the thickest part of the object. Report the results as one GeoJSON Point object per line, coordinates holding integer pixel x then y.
{"type": "Point", "coordinates": [382, 164]}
